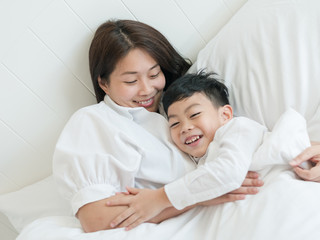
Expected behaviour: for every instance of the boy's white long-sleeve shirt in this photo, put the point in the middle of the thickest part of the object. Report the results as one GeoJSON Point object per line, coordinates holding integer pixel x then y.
{"type": "Point", "coordinates": [224, 166]}
{"type": "Point", "coordinates": [239, 146]}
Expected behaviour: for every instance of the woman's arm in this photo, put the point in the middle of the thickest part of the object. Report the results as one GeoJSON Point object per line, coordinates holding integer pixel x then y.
{"type": "Point", "coordinates": [96, 216]}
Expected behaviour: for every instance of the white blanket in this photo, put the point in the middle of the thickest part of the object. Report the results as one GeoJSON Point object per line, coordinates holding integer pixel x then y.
{"type": "Point", "coordinates": [285, 208]}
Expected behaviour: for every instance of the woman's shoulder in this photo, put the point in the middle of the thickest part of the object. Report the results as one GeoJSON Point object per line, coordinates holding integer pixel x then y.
{"type": "Point", "coordinates": [95, 111]}
{"type": "Point", "coordinates": [97, 108]}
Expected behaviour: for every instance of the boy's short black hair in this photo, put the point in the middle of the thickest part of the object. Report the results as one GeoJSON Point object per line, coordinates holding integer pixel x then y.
{"type": "Point", "coordinates": [202, 82]}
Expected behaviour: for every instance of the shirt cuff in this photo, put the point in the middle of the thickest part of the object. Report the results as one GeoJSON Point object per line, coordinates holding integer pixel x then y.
{"type": "Point", "coordinates": [91, 194]}
{"type": "Point", "coordinates": [178, 194]}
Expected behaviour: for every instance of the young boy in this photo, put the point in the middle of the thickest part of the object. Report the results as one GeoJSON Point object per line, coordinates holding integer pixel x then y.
{"type": "Point", "coordinates": [224, 148]}
{"type": "Point", "coordinates": [202, 125]}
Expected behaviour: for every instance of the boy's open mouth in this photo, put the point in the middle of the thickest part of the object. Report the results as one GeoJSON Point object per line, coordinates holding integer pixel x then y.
{"type": "Point", "coordinates": [193, 139]}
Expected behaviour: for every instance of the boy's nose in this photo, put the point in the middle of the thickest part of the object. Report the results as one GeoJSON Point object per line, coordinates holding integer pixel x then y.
{"type": "Point", "coordinates": [186, 127]}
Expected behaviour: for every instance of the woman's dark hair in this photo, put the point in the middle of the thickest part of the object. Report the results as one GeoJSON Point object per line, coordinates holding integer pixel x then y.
{"type": "Point", "coordinates": [202, 82]}
{"type": "Point", "coordinates": [115, 38]}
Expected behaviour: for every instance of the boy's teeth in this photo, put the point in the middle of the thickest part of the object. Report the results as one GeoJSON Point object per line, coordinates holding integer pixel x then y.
{"type": "Point", "coordinates": [192, 140]}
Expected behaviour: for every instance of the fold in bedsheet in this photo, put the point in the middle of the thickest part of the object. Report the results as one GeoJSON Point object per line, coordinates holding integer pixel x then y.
{"type": "Point", "coordinates": [285, 208]}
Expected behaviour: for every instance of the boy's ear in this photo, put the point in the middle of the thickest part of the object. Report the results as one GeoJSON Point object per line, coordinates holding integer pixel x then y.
{"type": "Point", "coordinates": [227, 113]}
{"type": "Point", "coordinates": [103, 86]}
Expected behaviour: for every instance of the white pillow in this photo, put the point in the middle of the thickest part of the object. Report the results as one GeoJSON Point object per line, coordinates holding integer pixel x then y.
{"type": "Point", "coordinates": [34, 201]}
{"type": "Point", "coordinates": [269, 56]}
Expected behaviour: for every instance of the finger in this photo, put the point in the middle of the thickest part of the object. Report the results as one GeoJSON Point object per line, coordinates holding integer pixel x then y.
{"type": "Point", "coordinates": [135, 224]}
{"type": "Point", "coordinates": [307, 154]}
{"type": "Point", "coordinates": [122, 193]}
{"type": "Point", "coordinates": [122, 217]}
{"type": "Point", "coordinates": [130, 220]}
{"type": "Point", "coordinates": [232, 197]}
{"type": "Point", "coordinates": [246, 190]}
{"type": "Point", "coordinates": [252, 175]}
{"type": "Point", "coordinates": [132, 190]}
{"type": "Point", "coordinates": [252, 183]}
{"type": "Point", "coordinates": [308, 175]}
{"type": "Point", "coordinates": [124, 201]}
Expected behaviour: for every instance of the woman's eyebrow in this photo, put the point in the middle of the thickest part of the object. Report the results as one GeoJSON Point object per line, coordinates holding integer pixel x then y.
{"type": "Point", "coordinates": [134, 72]}
{"type": "Point", "coordinates": [153, 67]}
{"type": "Point", "coordinates": [128, 73]}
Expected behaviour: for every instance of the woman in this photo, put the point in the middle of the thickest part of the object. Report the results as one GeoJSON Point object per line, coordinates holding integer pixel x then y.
{"type": "Point", "coordinates": [123, 141]}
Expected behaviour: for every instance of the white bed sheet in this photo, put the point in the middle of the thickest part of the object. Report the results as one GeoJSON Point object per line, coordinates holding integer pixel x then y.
{"type": "Point", "coordinates": [285, 208]}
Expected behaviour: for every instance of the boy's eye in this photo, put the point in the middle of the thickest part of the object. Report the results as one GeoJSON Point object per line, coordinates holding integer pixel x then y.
{"type": "Point", "coordinates": [174, 124]}
{"type": "Point", "coordinates": [195, 114]}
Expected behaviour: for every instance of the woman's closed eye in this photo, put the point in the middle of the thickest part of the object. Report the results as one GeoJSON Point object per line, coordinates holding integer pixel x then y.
{"type": "Point", "coordinates": [153, 76]}
{"type": "Point", "coordinates": [130, 82]}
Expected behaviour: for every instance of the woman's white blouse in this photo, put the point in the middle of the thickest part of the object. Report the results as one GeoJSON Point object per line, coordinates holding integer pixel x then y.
{"type": "Point", "coordinates": [105, 147]}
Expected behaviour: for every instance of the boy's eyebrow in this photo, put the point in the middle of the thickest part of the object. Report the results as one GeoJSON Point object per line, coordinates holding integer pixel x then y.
{"type": "Point", "coordinates": [187, 109]}
{"type": "Point", "coordinates": [133, 72]}
{"type": "Point", "coordinates": [171, 116]}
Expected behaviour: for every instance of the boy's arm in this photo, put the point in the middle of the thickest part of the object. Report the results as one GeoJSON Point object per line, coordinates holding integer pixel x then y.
{"type": "Point", "coordinates": [228, 159]}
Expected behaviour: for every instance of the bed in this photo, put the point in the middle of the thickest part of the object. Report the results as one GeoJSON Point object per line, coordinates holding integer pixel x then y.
{"type": "Point", "coordinates": [267, 51]}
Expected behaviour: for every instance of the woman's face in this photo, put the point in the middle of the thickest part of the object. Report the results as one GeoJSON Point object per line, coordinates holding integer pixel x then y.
{"type": "Point", "coordinates": [137, 81]}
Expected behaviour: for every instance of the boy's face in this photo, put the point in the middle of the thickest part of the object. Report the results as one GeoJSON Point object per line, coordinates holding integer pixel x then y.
{"type": "Point", "coordinates": [194, 121]}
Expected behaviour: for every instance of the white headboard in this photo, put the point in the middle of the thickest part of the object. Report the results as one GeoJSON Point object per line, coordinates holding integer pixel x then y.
{"type": "Point", "coordinates": [44, 66]}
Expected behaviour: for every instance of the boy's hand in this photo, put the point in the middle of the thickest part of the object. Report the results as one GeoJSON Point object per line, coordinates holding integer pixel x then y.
{"type": "Point", "coordinates": [143, 204]}
{"type": "Point", "coordinates": [311, 154]}
{"type": "Point", "coordinates": [250, 186]}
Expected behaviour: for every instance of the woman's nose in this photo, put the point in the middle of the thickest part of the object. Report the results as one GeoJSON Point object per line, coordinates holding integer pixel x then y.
{"type": "Point", "coordinates": [146, 87]}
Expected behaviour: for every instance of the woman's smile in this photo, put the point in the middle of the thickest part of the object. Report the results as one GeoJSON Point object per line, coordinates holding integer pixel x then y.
{"type": "Point", "coordinates": [145, 103]}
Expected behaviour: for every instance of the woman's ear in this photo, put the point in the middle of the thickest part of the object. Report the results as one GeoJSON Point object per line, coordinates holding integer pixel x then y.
{"type": "Point", "coordinates": [226, 113]}
{"type": "Point", "coordinates": [103, 85]}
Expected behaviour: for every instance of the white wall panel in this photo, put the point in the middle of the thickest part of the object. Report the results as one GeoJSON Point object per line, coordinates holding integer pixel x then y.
{"type": "Point", "coordinates": [24, 123]}
{"type": "Point", "coordinates": [15, 16]}
{"type": "Point", "coordinates": [67, 37]}
{"type": "Point", "coordinates": [234, 5]}
{"type": "Point", "coordinates": [95, 12]}
{"type": "Point", "coordinates": [214, 14]}
{"type": "Point", "coordinates": [13, 169]}
{"type": "Point", "coordinates": [49, 78]}
{"type": "Point", "coordinates": [168, 18]}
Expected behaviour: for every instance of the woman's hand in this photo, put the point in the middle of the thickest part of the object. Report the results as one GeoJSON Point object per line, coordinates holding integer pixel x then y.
{"type": "Point", "coordinates": [311, 154]}
{"type": "Point", "coordinates": [143, 205]}
{"type": "Point", "coordinates": [249, 186]}
{"type": "Point", "coordinates": [96, 216]}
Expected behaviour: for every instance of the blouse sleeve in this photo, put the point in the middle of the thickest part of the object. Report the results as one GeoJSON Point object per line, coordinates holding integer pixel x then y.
{"type": "Point", "coordinates": [89, 163]}
{"type": "Point", "coordinates": [226, 165]}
